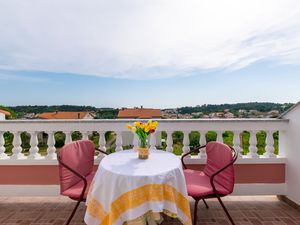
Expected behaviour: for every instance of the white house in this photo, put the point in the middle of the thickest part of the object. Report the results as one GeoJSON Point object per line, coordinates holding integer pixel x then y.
{"type": "Point", "coordinates": [4, 114]}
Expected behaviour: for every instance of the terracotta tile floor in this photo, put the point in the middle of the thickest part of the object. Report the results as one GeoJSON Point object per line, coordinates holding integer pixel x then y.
{"type": "Point", "coordinates": [245, 210]}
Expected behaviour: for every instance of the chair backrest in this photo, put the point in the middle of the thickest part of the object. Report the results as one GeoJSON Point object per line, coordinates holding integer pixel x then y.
{"type": "Point", "coordinates": [79, 156]}
{"type": "Point", "coordinates": [218, 156]}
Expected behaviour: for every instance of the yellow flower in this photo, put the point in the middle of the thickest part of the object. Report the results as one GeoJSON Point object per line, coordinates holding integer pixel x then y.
{"type": "Point", "coordinates": [137, 124]}
{"type": "Point", "coordinates": [147, 128]}
{"type": "Point", "coordinates": [153, 125]}
{"type": "Point", "coordinates": [129, 126]}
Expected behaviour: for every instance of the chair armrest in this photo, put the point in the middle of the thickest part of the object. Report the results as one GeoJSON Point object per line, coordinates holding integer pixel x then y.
{"type": "Point", "coordinates": [101, 151]}
{"type": "Point", "coordinates": [194, 150]}
{"type": "Point", "coordinates": [234, 158]}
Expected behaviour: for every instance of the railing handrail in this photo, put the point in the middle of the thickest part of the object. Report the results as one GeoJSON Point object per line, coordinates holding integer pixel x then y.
{"type": "Point", "coordinates": [101, 126]}
{"type": "Point", "coordinates": [164, 124]}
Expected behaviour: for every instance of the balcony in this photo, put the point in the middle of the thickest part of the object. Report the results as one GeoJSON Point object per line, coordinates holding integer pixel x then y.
{"type": "Point", "coordinates": [273, 169]}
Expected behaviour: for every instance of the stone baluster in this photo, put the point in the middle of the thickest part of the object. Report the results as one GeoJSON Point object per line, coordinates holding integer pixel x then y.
{"type": "Point", "coordinates": [169, 141]}
{"type": "Point", "coordinates": [102, 142]}
{"type": "Point", "coordinates": [135, 141]}
{"type": "Point", "coordinates": [119, 142]}
{"type": "Point", "coordinates": [219, 136]}
{"type": "Point", "coordinates": [269, 145]}
{"type": "Point", "coordinates": [51, 146]}
{"type": "Point", "coordinates": [186, 142]}
{"type": "Point", "coordinates": [17, 149]}
{"type": "Point", "coordinates": [34, 150]}
{"type": "Point", "coordinates": [68, 138]}
{"type": "Point", "coordinates": [152, 141]}
{"type": "Point", "coordinates": [202, 141]}
{"type": "Point", "coordinates": [85, 135]}
{"type": "Point", "coordinates": [237, 143]}
{"type": "Point", "coordinates": [3, 155]}
{"type": "Point", "coordinates": [252, 148]}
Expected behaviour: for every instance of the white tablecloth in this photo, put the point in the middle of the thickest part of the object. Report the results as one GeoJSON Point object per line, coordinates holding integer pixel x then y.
{"type": "Point", "coordinates": [125, 188]}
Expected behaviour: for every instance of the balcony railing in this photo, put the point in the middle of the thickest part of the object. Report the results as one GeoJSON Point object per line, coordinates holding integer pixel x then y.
{"type": "Point", "coordinates": [123, 136]}
{"type": "Point", "coordinates": [259, 170]}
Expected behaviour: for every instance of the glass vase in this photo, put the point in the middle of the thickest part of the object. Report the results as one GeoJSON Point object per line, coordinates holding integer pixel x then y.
{"type": "Point", "coordinates": [143, 153]}
{"type": "Point", "coordinates": [143, 150]}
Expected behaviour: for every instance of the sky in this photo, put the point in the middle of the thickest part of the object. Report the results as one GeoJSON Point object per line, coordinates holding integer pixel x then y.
{"type": "Point", "coordinates": [155, 53]}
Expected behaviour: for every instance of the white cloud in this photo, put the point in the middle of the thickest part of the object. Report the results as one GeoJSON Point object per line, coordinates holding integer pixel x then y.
{"type": "Point", "coordinates": [146, 39]}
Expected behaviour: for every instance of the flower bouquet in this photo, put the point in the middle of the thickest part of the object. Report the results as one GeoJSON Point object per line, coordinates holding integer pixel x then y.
{"type": "Point", "coordinates": [143, 130]}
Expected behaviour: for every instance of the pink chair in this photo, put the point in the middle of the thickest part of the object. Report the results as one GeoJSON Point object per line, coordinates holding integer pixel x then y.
{"type": "Point", "coordinates": [217, 178]}
{"type": "Point", "coordinates": [76, 162]}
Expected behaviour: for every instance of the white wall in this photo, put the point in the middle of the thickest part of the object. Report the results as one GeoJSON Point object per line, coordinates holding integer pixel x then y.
{"type": "Point", "coordinates": [2, 116]}
{"type": "Point", "coordinates": [289, 143]}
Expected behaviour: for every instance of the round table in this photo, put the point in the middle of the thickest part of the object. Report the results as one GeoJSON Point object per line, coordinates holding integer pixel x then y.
{"type": "Point", "coordinates": [125, 188]}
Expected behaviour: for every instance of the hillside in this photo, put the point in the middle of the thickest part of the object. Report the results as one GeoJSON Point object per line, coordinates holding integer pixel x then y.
{"type": "Point", "coordinates": [259, 106]}
{"type": "Point", "coordinates": [111, 113]}
{"type": "Point", "coordinates": [102, 113]}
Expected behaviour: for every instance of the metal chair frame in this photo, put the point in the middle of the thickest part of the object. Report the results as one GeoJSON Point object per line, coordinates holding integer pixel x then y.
{"type": "Point", "coordinates": [81, 198]}
{"type": "Point", "coordinates": [215, 194]}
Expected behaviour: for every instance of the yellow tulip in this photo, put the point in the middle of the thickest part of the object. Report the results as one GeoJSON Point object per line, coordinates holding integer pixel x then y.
{"type": "Point", "coordinates": [129, 126]}
{"type": "Point", "coordinates": [147, 128]}
{"type": "Point", "coordinates": [137, 124]}
{"type": "Point", "coordinates": [152, 127]}
{"type": "Point", "coordinates": [133, 129]}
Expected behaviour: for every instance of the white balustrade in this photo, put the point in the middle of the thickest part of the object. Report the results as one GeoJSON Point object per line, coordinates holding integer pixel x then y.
{"type": "Point", "coordinates": [68, 138]}
{"type": "Point", "coordinates": [237, 143]}
{"type": "Point", "coordinates": [269, 145]}
{"type": "Point", "coordinates": [252, 148]}
{"type": "Point", "coordinates": [152, 141]}
{"type": "Point", "coordinates": [186, 126]}
{"type": "Point", "coordinates": [3, 155]}
{"type": "Point", "coordinates": [220, 136]}
{"type": "Point", "coordinates": [51, 155]}
{"type": "Point", "coordinates": [135, 141]}
{"type": "Point", "coordinates": [85, 135]}
{"type": "Point", "coordinates": [202, 142]}
{"type": "Point", "coordinates": [169, 141]}
{"type": "Point", "coordinates": [17, 149]}
{"type": "Point", "coordinates": [102, 141]}
{"type": "Point", "coordinates": [34, 150]}
{"type": "Point", "coordinates": [186, 142]}
{"type": "Point", "coordinates": [119, 146]}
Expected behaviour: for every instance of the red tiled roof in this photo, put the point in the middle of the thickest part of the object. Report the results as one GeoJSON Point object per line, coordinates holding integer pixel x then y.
{"type": "Point", "coordinates": [6, 113]}
{"type": "Point", "coordinates": [139, 113]}
{"type": "Point", "coordinates": [62, 115]}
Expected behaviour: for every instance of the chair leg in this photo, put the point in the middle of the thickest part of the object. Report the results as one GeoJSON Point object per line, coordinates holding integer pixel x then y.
{"type": "Point", "coordinates": [72, 214]}
{"type": "Point", "coordinates": [205, 203]}
{"type": "Point", "coordinates": [226, 211]}
{"type": "Point", "coordinates": [195, 211]}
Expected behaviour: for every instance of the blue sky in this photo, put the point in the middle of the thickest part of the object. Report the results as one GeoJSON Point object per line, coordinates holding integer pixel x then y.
{"type": "Point", "coordinates": [261, 82]}
{"type": "Point", "coordinates": [153, 53]}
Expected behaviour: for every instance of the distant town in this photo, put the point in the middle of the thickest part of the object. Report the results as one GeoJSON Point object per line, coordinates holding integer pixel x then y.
{"type": "Point", "coordinates": [207, 111]}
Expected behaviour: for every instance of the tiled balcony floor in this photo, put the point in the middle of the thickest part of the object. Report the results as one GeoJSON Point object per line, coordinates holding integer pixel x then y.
{"type": "Point", "coordinates": [256, 210]}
